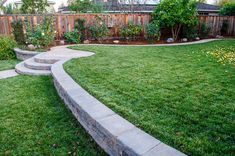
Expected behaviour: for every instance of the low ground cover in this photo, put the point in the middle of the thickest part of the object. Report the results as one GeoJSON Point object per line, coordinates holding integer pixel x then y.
{"type": "Point", "coordinates": [8, 64]}
{"type": "Point", "coordinates": [34, 121]}
{"type": "Point", "coordinates": [181, 95]}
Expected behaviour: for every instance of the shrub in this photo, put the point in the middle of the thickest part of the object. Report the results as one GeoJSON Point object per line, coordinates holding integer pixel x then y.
{"type": "Point", "coordinates": [224, 27]}
{"type": "Point", "coordinates": [131, 31]}
{"type": "Point", "coordinates": [18, 32]}
{"type": "Point", "coordinates": [7, 45]}
{"type": "Point", "coordinates": [190, 32]}
{"type": "Point", "coordinates": [153, 31]}
{"type": "Point", "coordinates": [228, 9]}
{"type": "Point", "coordinates": [204, 30]}
{"type": "Point", "coordinates": [73, 36]}
{"type": "Point", "coordinates": [174, 14]}
{"type": "Point", "coordinates": [41, 35]}
{"type": "Point", "coordinates": [99, 30]}
{"type": "Point", "coordinates": [80, 26]}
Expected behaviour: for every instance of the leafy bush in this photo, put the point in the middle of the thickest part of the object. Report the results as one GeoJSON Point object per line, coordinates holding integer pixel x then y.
{"type": "Point", "coordinates": [7, 45]}
{"type": "Point", "coordinates": [18, 32]}
{"type": "Point", "coordinates": [73, 36]}
{"type": "Point", "coordinates": [153, 31]}
{"type": "Point", "coordinates": [41, 35]}
{"type": "Point", "coordinates": [204, 30]}
{"type": "Point", "coordinates": [190, 32]}
{"type": "Point", "coordinates": [174, 14]}
{"type": "Point", "coordinates": [131, 31]}
{"type": "Point", "coordinates": [224, 27]}
{"type": "Point", "coordinates": [80, 26]}
{"type": "Point", "coordinates": [99, 30]}
{"type": "Point", "coordinates": [228, 9]}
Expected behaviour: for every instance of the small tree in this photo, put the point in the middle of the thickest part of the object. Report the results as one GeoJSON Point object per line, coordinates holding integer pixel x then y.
{"type": "Point", "coordinates": [34, 6]}
{"type": "Point", "coordinates": [228, 9]}
{"type": "Point", "coordinates": [174, 14]}
{"type": "Point", "coordinates": [82, 6]}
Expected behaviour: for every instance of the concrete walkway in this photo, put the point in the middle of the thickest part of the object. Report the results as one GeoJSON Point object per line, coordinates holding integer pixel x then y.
{"type": "Point", "coordinates": [41, 64]}
{"type": "Point", "coordinates": [7, 74]}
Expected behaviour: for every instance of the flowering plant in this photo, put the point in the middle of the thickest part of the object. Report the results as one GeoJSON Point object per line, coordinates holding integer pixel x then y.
{"type": "Point", "coordinates": [41, 35]}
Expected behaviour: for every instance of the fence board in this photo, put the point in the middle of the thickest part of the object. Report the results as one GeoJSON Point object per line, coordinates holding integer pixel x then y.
{"type": "Point", "coordinates": [64, 23]}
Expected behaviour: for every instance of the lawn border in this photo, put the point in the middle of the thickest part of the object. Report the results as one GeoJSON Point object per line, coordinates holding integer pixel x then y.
{"type": "Point", "coordinates": [113, 133]}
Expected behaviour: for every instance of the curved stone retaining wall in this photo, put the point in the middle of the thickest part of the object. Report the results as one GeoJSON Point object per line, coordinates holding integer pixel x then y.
{"type": "Point", "coordinates": [24, 54]}
{"type": "Point", "coordinates": [115, 135]}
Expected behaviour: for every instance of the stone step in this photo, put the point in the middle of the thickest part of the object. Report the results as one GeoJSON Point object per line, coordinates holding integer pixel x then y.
{"type": "Point", "coordinates": [21, 69]}
{"type": "Point", "coordinates": [31, 64]}
{"type": "Point", "coordinates": [46, 59]}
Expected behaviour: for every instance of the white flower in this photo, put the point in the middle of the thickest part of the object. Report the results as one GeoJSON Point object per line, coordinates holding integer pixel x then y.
{"type": "Point", "coordinates": [43, 34]}
{"type": "Point", "coordinates": [55, 32]}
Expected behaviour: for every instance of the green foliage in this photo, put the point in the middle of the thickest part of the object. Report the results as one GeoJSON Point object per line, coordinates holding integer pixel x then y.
{"type": "Point", "coordinates": [174, 14]}
{"type": "Point", "coordinates": [97, 8]}
{"type": "Point", "coordinates": [73, 36]}
{"type": "Point", "coordinates": [18, 32]}
{"type": "Point", "coordinates": [223, 2]}
{"type": "Point", "coordinates": [34, 6]}
{"type": "Point", "coordinates": [41, 35]}
{"type": "Point", "coordinates": [99, 30]}
{"type": "Point", "coordinates": [80, 26]}
{"type": "Point", "coordinates": [228, 10]}
{"type": "Point", "coordinates": [82, 6]}
{"type": "Point", "coordinates": [153, 31]}
{"type": "Point", "coordinates": [131, 31]}
{"type": "Point", "coordinates": [190, 32]}
{"type": "Point", "coordinates": [204, 30]}
{"type": "Point", "coordinates": [7, 44]}
{"type": "Point", "coordinates": [10, 9]}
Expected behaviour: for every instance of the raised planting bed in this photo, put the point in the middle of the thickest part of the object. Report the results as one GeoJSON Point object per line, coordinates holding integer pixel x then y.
{"type": "Point", "coordinates": [25, 54]}
{"type": "Point", "coordinates": [142, 41]}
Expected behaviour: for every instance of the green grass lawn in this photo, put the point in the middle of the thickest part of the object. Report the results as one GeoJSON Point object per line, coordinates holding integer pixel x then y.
{"type": "Point", "coordinates": [181, 95]}
{"type": "Point", "coordinates": [34, 121]}
{"type": "Point", "coordinates": [8, 64]}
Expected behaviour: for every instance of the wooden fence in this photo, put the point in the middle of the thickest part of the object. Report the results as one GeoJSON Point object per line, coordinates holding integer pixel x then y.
{"type": "Point", "coordinates": [64, 23]}
{"type": "Point", "coordinates": [220, 24]}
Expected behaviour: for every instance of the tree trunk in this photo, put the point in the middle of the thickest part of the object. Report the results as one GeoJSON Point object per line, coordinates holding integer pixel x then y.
{"type": "Point", "coordinates": [175, 31]}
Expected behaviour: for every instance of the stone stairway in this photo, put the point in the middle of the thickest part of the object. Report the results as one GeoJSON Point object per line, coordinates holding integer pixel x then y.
{"type": "Point", "coordinates": [41, 64]}
{"type": "Point", "coordinates": [35, 66]}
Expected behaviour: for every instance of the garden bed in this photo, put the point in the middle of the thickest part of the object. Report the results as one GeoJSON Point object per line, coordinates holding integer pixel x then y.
{"type": "Point", "coordinates": [138, 42]}
{"type": "Point", "coordinates": [25, 54]}
{"type": "Point", "coordinates": [181, 95]}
